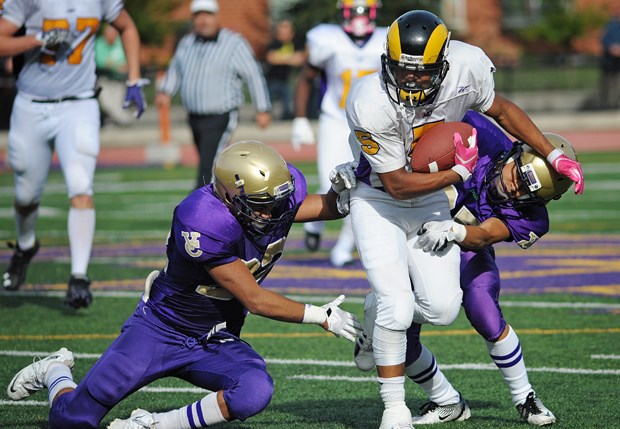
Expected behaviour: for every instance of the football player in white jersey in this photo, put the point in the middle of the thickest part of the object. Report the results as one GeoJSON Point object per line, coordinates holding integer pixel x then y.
{"type": "Point", "coordinates": [425, 80]}
{"type": "Point", "coordinates": [343, 53]}
{"type": "Point", "coordinates": [56, 109]}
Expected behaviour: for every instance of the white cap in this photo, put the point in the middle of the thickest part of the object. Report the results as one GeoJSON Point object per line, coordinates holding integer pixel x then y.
{"type": "Point", "coordinates": [204, 6]}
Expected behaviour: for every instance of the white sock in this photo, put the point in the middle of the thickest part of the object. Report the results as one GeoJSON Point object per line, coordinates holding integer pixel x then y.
{"type": "Point", "coordinates": [25, 226]}
{"type": "Point", "coordinates": [314, 227]}
{"type": "Point", "coordinates": [426, 374]}
{"type": "Point", "coordinates": [57, 378]}
{"type": "Point", "coordinates": [508, 357]}
{"type": "Point", "coordinates": [392, 391]}
{"type": "Point", "coordinates": [205, 412]}
{"type": "Point", "coordinates": [81, 226]}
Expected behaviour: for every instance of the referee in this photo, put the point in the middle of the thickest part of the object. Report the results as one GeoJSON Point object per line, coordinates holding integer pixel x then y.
{"type": "Point", "coordinates": [209, 68]}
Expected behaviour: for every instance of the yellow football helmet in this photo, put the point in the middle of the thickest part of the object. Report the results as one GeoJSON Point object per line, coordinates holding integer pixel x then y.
{"type": "Point", "coordinates": [541, 181]}
{"type": "Point", "coordinates": [414, 63]}
{"type": "Point", "coordinates": [358, 17]}
{"type": "Point", "coordinates": [254, 181]}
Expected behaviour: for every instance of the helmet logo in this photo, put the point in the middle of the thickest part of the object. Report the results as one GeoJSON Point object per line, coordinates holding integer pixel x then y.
{"type": "Point", "coordinates": [530, 177]}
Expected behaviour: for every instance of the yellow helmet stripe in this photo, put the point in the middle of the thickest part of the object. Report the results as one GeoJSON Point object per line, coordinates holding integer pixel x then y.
{"type": "Point", "coordinates": [393, 42]}
{"type": "Point", "coordinates": [436, 42]}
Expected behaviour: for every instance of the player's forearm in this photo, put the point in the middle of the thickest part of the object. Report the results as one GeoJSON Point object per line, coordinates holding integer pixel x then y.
{"type": "Point", "coordinates": [303, 90]}
{"type": "Point", "coordinates": [402, 185]}
{"type": "Point", "coordinates": [10, 46]}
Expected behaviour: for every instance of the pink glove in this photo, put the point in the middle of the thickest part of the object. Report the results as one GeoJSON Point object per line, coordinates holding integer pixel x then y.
{"type": "Point", "coordinates": [568, 167]}
{"type": "Point", "coordinates": [465, 157]}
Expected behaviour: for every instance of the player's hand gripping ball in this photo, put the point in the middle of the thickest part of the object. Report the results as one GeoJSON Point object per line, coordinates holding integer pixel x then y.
{"type": "Point", "coordinates": [435, 149]}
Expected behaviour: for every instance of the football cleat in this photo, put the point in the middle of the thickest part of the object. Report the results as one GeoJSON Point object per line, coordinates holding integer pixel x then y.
{"type": "Point", "coordinates": [396, 418]}
{"type": "Point", "coordinates": [363, 355]}
{"type": "Point", "coordinates": [78, 293]}
{"type": "Point", "coordinates": [15, 274]}
{"type": "Point", "coordinates": [32, 378]}
{"type": "Point", "coordinates": [432, 413]}
{"type": "Point", "coordinates": [312, 241]}
{"type": "Point", "coordinates": [534, 412]}
{"type": "Point", "coordinates": [140, 419]}
{"type": "Point", "coordinates": [339, 258]}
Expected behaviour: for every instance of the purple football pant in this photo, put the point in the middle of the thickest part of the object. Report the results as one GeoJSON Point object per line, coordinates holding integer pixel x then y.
{"type": "Point", "coordinates": [480, 282]}
{"type": "Point", "coordinates": [148, 350]}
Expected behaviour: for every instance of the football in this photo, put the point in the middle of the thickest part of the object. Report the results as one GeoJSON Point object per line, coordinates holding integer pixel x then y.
{"type": "Point", "coordinates": [434, 151]}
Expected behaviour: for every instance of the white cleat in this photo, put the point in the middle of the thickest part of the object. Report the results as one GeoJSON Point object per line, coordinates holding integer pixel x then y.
{"type": "Point", "coordinates": [396, 418]}
{"type": "Point", "coordinates": [140, 419]}
{"type": "Point", "coordinates": [363, 355]}
{"type": "Point", "coordinates": [432, 413]}
{"type": "Point", "coordinates": [534, 412]}
{"type": "Point", "coordinates": [32, 378]}
{"type": "Point", "coordinates": [339, 258]}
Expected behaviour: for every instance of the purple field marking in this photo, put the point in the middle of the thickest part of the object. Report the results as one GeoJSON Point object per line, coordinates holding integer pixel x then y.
{"type": "Point", "coordinates": [555, 264]}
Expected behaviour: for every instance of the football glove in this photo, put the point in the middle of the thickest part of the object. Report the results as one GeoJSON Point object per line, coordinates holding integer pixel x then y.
{"type": "Point", "coordinates": [568, 167]}
{"type": "Point", "coordinates": [340, 322]}
{"type": "Point", "coordinates": [135, 96]}
{"type": "Point", "coordinates": [343, 202]}
{"type": "Point", "coordinates": [465, 157]}
{"type": "Point", "coordinates": [57, 42]}
{"type": "Point", "coordinates": [301, 133]}
{"type": "Point", "coordinates": [434, 236]}
{"type": "Point", "coordinates": [343, 176]}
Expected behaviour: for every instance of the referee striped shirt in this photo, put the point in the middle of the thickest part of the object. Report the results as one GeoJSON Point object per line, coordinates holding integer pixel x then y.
{"type": "Point", "coordinates": [210, 74]}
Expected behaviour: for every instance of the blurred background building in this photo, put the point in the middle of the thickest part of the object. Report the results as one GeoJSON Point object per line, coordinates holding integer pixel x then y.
{"type": "Point", "coordinates": [548, 53]}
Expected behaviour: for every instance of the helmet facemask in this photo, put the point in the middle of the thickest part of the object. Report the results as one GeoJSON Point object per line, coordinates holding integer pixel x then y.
{"type": "Point", "coordinates": [415, 83]}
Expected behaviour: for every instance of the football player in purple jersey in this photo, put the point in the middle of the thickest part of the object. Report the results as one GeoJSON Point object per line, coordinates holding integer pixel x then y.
{"type": "Point", "coordinates": [224, 239]}
{"type": "Point", "coordinates": [504, 200]}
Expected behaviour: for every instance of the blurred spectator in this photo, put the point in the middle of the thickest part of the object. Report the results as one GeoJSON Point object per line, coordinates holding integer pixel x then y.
{"type": "Point", "coordinates": [285, 53]}
{"type": "Point", "coordinates": [209, 68]}
{"type": "Point", "coordinates": [109, 54]}
{"type": "Point", "coordinates": [610, 82]}
{"type": "Point", "coordinates": [111, 75]}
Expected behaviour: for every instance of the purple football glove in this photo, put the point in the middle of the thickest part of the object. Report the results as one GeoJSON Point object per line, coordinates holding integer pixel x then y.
{"type": "Point", "coordinates": [135, 96]}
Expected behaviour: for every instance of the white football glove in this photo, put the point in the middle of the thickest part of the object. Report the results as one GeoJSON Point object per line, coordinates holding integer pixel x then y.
{"type": "Point", "coordinates": [301, 133]}
{"type": "Point", "coordinates": [343, 202]}
{"type": "Point", "coordinates": [342, 323]}
{"type": "Point", "coordinates": [343, 176]}
{"type": "Point", "coordinates": [434, 236]}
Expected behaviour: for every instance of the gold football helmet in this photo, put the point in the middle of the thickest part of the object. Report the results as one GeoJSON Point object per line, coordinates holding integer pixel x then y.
{"type": "Point", "coordinates": [542, 183]}
{"type": "Point", "coordinates": [414, 63]}
{"type": "Point", "coordinates": [254, 181]}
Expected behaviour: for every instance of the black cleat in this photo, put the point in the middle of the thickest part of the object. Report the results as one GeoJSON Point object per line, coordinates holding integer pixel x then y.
{"type": "Point", "coordinates": [78, 294]}
{"type": "Point", "coordinates": [313, 241]}
{"type": "Point", "coordinates": [15, 274]}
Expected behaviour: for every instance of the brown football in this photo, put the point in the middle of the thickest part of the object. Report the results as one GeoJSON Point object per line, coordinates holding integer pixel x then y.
{"type": "Point", "coordinates": [434, 151]}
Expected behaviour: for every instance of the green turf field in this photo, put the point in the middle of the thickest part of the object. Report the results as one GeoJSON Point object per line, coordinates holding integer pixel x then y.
{"type": "Point", "coordinates": [571, 342]}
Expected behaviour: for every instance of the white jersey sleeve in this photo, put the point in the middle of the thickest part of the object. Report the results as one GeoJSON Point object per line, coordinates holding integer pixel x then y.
{"type": "Point", "coordinates": [331, 50]}
{"type": "Point", "coordinates": [468, 85]}
{"type": "Point", "coordinates": [380, 128]}
{"type": "Point", "coordinates": [46, 77]}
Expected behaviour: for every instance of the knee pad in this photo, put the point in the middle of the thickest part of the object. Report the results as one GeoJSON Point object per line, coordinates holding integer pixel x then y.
{"type": "Point", "coordinates": [445, 312]}
{"type": "Point", "coordinates": [250, 395]}
{"type": "Point", "coordinates": [395, 312]}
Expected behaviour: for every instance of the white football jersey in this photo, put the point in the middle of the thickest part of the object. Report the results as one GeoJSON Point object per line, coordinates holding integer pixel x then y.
{"type": "Point", "coordinates": [332, 50]}
{"type": "Point", "coordinates": [386, 131]}
{"type": "Point", "coordinates": [42, 75]}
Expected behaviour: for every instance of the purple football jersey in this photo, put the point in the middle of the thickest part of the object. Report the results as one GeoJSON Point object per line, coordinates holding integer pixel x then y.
{"type": "Point", "coordinates": [205, 234]}
{"type": "Point", "coordinates": [526, 224]}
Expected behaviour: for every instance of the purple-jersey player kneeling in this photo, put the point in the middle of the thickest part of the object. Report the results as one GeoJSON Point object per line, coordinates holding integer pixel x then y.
{"type": "Point", "coordinates": [504, 200]}
{"type": "Point", "coordinates": [224, 240]}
